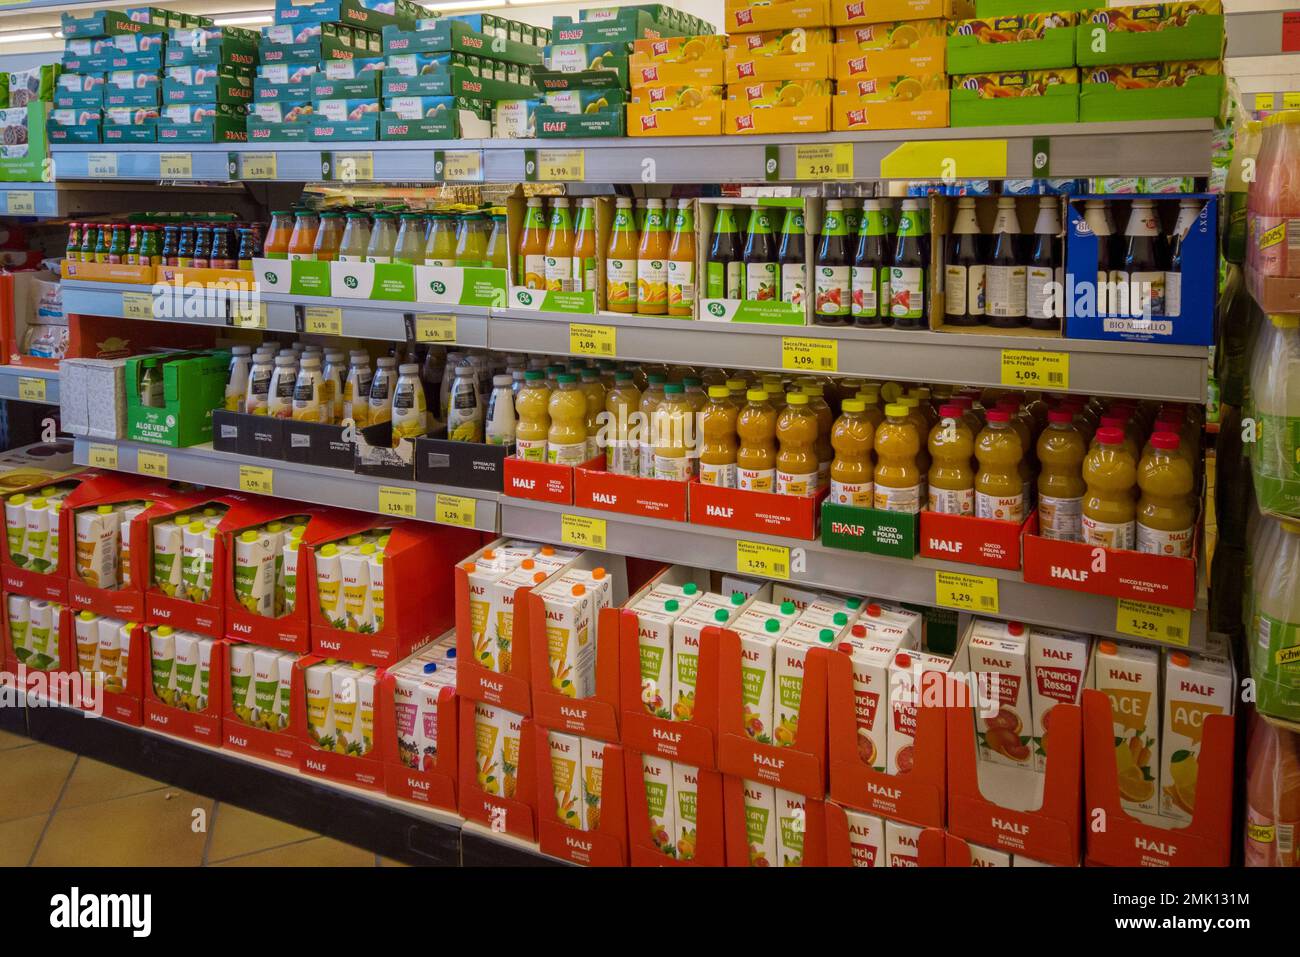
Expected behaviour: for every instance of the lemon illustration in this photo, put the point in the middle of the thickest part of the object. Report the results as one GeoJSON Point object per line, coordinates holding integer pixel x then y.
{"type": "Point", "coordinates": [690, 97]}
{"type": "Point", "coordinates": [904, 37]}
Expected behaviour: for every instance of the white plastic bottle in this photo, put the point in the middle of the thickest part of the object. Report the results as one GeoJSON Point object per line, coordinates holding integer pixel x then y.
{"type": "Point", "coordinates": [309, 398]}
{"type": "Point", "coordinates": [257, 390]}
{"type": "Point", "coordinates": [381, 390]}
{"type": "Point", "coordinates": [500, 427]}
{"type": "Point", "coordinates": [334, 372]}
{"type": "Point", "coordinates": [283, 382]}
{"type": "Point", "coordinates": [356, 389]}
{"type": "Point", "coordinates": [410, 415]}
{"type": "Point", "coordinates": [237, 381]}
{"type": "Point", "coordinates": [465, 407]}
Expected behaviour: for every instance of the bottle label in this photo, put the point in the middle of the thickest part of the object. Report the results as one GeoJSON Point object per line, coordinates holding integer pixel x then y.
{"type": "Point", "coordinates": [571, 453]}
{"type": "Point", "coordinates": [1002, 508]}
{"type": "Point", "coordinates": [652, 282]}
{"type": "Point", "coordinates": [796, 483]}
{"type": "Point", "coordinates": [379, 259]}
{"type": "Point", "coordinates": [1146, 286]}
{"type": "Point", "coordinates": [672, 469]}
{"type": "Point", "coordinates": [1173, 294]}
{"type": "Point", "coordinates": [755, 480]}
{"type": "Point", "coordinates": [583, 271]}
{"type": "Point", "coordinates": [646, 460]}
{"type": "Point", "coordinates": [719, 476]}
{"type": "Point", "coordinates": [906, 292]}
{"type": "Point", "coordinates": [620, 282]}
{"type": "Point", "coordinates": [559, 274]}
{"type": "Point", "coordinates": [622, 457]}
{"type": "Point", "coordinates": [1107, 534]}
{"type": "Point", "coordinates": [862, 280]}
{"type": "Point", "coordinates": [761, 282]}
{"type": "Point", "coordinates": [303, 257]}
{"type": "Point", "coordinates": [889, 499]}
{"type": "Point", "coordinates": [1006, 291]}
{"type": "Point", "coordinates": [860, 494]}
{"type": "Point", "coordinates": [441, 263]}
{"type": "Point", "coordinates": [1155, 541]}
{"type": "Point", "coordinates": [1038, 292]}
{"type": "Point", "coordinates": [833, 290]}
{"type": "Point", "coordinates": [1059, 518]}
{"type": "Point", "coordinates": [794, 283]}
{"type": "Point", "coordinates": [724, 280]}
{"type": "Point", "coordinates": [951, 501]}
{"type": "Point", "coordinates": [963, 290]}
{"type": "Point", "coordinates": [534, 271]}
{"type": "Point", "coordinates": [530, 450]}
{"type": "Point", "coordinates": [681, 282]}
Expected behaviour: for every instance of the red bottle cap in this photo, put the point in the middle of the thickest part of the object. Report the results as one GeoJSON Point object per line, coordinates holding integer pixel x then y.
{"type": "Point", "coordinates": [950, 411]}
{"type": "Point", "coordinates": [1110, 436]}
{"type": "Point", "coordinates": [1164, 440]}
{"type": "Point", "coordinates": [999, 415]}
{"type": "Point", "coordinates": [1060, 415]}
{"type": "Point", "coordinates": [1015, 628]}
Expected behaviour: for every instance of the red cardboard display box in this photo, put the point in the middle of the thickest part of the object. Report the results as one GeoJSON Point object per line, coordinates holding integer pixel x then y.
{"type": "Point", "coordinates": [701, 846]}
{"type": "Point", "coordinates": [434, 783]}
{"type": "Point", "coordinates": [505, 801]}
{"type": "Point", "coordinates": [602, 846]}
{"type": "Point", "coordinates": [66, 649]}
{"type": "Point", "coordinates": [544, 481]}
{"type": "Point", "coordinates": [629, 495]}
{"type": "Point", "coordinates": [763, 513]}
{"type": "Point", "coordinates": [124, 704]}
{"type": "Point", "coordinates": [974, 541]}
{"type": "Point", "coordinates": [50, 584]}
{"type": "Point", "coordinates": [205, 617]}
{"type": "Point", "coordinates": [932, 848]}
{"type": "Point", "coordinates": [363, 771]}
{"type": "Point", "coordinates": [802, 821]}
{"type": "Point", "coordinates": [1117, 572]}
{"type": "Point", "coordinates": [202, 726]}
{"type": "Point", "coordinates": [284, 746]}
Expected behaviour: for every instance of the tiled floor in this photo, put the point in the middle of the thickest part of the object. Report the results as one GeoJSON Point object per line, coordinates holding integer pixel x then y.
{"type": "Point", "coordinates": [58, 809]}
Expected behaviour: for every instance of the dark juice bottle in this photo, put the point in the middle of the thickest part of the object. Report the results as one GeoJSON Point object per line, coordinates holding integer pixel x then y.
{"type": "Point", "coordinates": [102, 241]}
{"type": "Point", "coordinates": [89, 240]}
{"type": "Point", "coordinates": [1006, 270]}
{"type": "Point", "coordinates": [907, 273]}
{"type": "Point", "coordinates": [221, 255]}
{"type": "Point", "coordinates": [247, 248]}
{"type": "Point", "coordinates": [72, 251]}
{"type": "Point", "coordinates": [963, 269]}
{"type": "Point", "coordinates": [832, 285]}
{"type": "Point", "coordinates": [117, 246]}
{"type": "Point", "coordinates": [1143, 266]}
{"type": "Point", "coordinates": [185, 247]}
{"type": "Point", "coordinates": [868, 278]}
{"type": "Point", "coordinates": [133, 246]}
{"type": "Point", "coordinates": [1043, 296]}
{"type": "Point", "coordinates": [725, 264]}
{"type": "Point", "coordinates": [168, 251]}
{"type": "Point", "coordinates": [762, 279]}
{"type": "Point", "coordinates": [201, 257]}
{"type": "Point", "coordinates": [790, 258]}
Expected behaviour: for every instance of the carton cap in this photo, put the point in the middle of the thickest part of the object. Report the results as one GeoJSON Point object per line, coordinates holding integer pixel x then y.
{"type": "Point", "coordinates": [672, 605]}
{"type": "Point", "coordinates": [788, 607]}
{"type": "Point", "coordinates": [1108, 648]}
{"type": "Point", "coordinates": [251, 536]}
{"type": "Point", "coordinates": [87, 616]}
{"type": "Point", "coordinates": [853, 603]}
{"type": "Point", "coordinates": [527, 563]}
{"type": "Point", "coordinates": [840, 619]}
{"type": "Point", "coordinates": [598, 574]}
{"type": "Point", "coordinates": [720, 615]}
{"type": "Point", "coordinates": [105, 510]}
{"type": "Point", "coordinates": [859, 631]}
{"type": "Point", "coordinates": [772, 626]}
{"type": "Point", "coordinates": [1015, 628]}
{"type": "Point", "coordinates": [579, 590]}
{"type": "Point", "coordinates": [164, 630]}
{"type": "Point", "coordinates": [690, 588]}
{"type": "Point", "coordinates": [329, 550]}
{"type": "Point", "coordinates": [38, 503]}
{"type": "Point", "coordinates": [873, 610]}
{"type": "Point", "coordinates": [737, 598]}
{"type": "Point", "coordinates": [826, 636]}
{"type": "Point", "coordinates": [903, 660]}
{"type": "Point", "coordinates": [19, 499]}
{"type": "Point", "coordinates": [488, 554]}
{"type": "Point", "coordinates": [195, 527]}
{"type": "Point", "coordinates": [538, 577]}
{"type": "Point", "coordinates": [367, 549]}
{"type": "Point", "coordinates": [451, 653]}
{"type": "Point", "coordinates": [546, 550]}
{"type": "Point", "coordinates": [1179, 659]}
{"type": "Point", "coordinates": [470, 567]}
{"type": "Point", "coordinates": [430, 667]}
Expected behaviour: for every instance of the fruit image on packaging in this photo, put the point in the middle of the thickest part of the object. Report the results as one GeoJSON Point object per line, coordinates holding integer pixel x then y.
{"type": "Point", "coordinates": [871, 664]}
{"type": "Point", "coordinates": [996, 86]}
{"type": "Point", "coordinates": [511, 743]}
{"type": "Point", "coordinates": [655, 646]}
{"type": "Point", "coordinates": [1058, 664]}
{"type": "Point", "coordinates": [686, 793]}
{"type": "Point", "coordinates": [593, 781]}
{"type": "Point", "coordinates": [894, 88]}
{"type": "Point", "coordinates": [319, 687]}
{"type": "Point", "coordinates": [255, 575]}
{"type": "Point", "coordinates": [96, 544]}
{"type": "Point", "coordinates": [791, 827]}
{"type": "Point", "coordinates": [570, 639]}
{"type": "Point", "coordinates": [1195, 687]}
{"type": "Point", "coordinates": [480, 575]}
{"type": "Point", "coordinates": [1130, 676]}
{"type": "Point", "coordinates": [896, 35]}
{"type": "Point", "coordinates": [162, 657]}
{"type": "Point", "coordinates": [904, 695]}
{"type": "Point", "coordinates": [866, 839]}
{"type": "Point", "coordinates": [186, 671]}
{"type": "Point", "coordinates": [760, 824]}
{"type": "Point", "coordinates": [265, 688]}
{"type": "Point", "coordinates": [241, 684]}
{"type": "Point", "coordinates": [566, 778]}
{"type": "Point", "coordinates": [489, 731]}
{"type": "Point", "coordinates": [657, 775]}
{"type": "Point", "coordinates": [902, 845]}
{"type": "Point", "coordinates": [998, 658]}
{"type": "Point", "coordinates": [345, 699]}
{"type": "Point", "coordinates": [756, 669]}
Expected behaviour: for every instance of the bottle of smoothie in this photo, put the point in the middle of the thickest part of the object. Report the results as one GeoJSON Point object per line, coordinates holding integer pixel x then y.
{"type": "Point", "coordinates": [440, 243]}
{"type": "Point", "coordinates": [531, 267]}
{"type": "Point", "coordinates": [852, 473]}
{"type": "Point", "coordinates": [681, 264]}
{"type": "Point", "coordinates": [309, 398]}
{"type": "Point", "coordinates": [652, 263]}
{"type": "Point", "coordinates": [302, 242]}
{"type": "Point", "coordinates": [329, 237]}
{"type": "Point", "coordinates": [622, 448]}
{"type": "Point", "coordinates": [650, 399]}
{"type": "Point", "coordinates": [816, 392]}
{"type": "Point", "coordinates": [1165, 517]}
{"type": "Point", "coordinates": [559, 248]}
{"type": "Point", "coordinates": [1108, 508]}
{"type": "Point", "coordinates": [796, 462]}
{"type": "Point", "coordinates": [672, 427]}
{"type": "Point", "coordinates": [566, 442]}
{"type": "Point", "coordinates": [410, 415]}
{"type": "Point", "coordinates": [381, 390]}
{"type": "Point", "coordinates": [534, 425]}
{"type": "Point", "coordinates": [589, 382]}
{"type": "Point", "coordinates": [756, 456]}
{"type": "Point", "coordinates": [276, 244]}
{"type": "Point", "coordinates": [718, 445]}
{"type": "Point", "coordinates": [951, 486]}
{"type": "Point", "coordinates": [999, 492]}
{"type": "Point", "coordinates": [584, 248]}
{"type": "Point", "coordinates": [383, 239]}
{"type": "Point", "coordinates": [620, 260]}
{"type": "Point", "coordinates": [356, 239]}
{"type": "Point", "coordinates": [356, 389]}
{"type": "Point", "coordinates": [1061, 449]}
{"type": "Point", "coordinates": [898, 479]}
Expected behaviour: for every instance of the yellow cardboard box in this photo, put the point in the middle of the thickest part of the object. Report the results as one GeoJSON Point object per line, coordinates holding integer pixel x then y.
{"type": "Point", "coordinates": [744, 68]}
{"type": "Point", "coordinates": [744, 17]}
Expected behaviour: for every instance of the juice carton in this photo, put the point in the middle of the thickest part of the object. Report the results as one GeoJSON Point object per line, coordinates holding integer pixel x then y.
{"type": "Point", "coordinates": [866, 839]}
{"type": "Point", "coordinates": [988, 857]}
{"type": "Point", "coordinates": [490, 730]}
{"type": "Point", "coordinates": [824, 608]}
{"type": "Point", "coordinates": [1019, 860]}
{"type": "Point", "coordinates": [655, 620]}
{"type": "Point", "coordinates": [593, 779]}
{"type": "Point", "coordinates": [757, 658]}
{"type": "Point", "coordinates": [408, 690]}
{"type": "Point", "coordinates": [801, 597]}
{"type": "Point", "coordinates": [1058, 664]}
{"type": "Point", "coordinates": [905, 688]}
{"type": "Point", "coordinates": [498, 638]}
{"type": "Point", "coordinates": [790, 653]}
{"type": "Point", "coordinates": [791, 827]}
{"type": "Point", "coordinates": [686, 793]}
{"type": "Point", "coordinates": [749, 587]}
{"type": "Point", "coordinates": [1195, 686]}
{"type": "Point", "coordinates": [566, 777]}
{"type": "Point", "coordinates": [511, 745]}
{"type": "Point", "coordinates": [997, 655]}
{"type": "Point", "coordinates": [758, 615]}
{"type": "Point", "coordinates": [570, 638]}
{"type": "Point", "coordinates": [902, 845]}
{"type": "Point", "coordinates": [319, 686]}
{"type": "Point", "coordinates": [709, 611]}
{"type": "Point", "coordinates": [910, 621]}
{"type": "Point", "coordinates": [760, 823]}
{"type": "Point", "coordinates": [871, 667]}
{"type": "Point", "coordinates": [657, 774]}
{"type": "Point", "coordinates": [1130, 676]}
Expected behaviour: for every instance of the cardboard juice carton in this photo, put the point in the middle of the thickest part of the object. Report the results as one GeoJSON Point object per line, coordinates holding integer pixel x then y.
{"type": "Point", "coordinates": [499, 629]}
{"type": "Point", "coordinates": [1058, 665]}
{"type": "Point", "coordinates": [481, 574]}
{"type": "Point", "coordinates": [760, 824]}
{"type": "Point", "coordinates": [905, 670]}
{"type": "Point", "coordinates": [801, 597]}
{"type": "Point", "coordinates": [902, 845]}
{"type": "Point", "coordinates": [593, 778]}
{"type": "Point", "coordinates": [871, 666]}
{"type": "Point", "coordinates": [757, 660]}
{"type": "Point", "coordinates": [686, 793]}
{"type": "Point", "coordinates": [749, 587]}
{"type": "Point", "coordinates": [1195, 686]}
{"type": "Point", "coordinates": [866, 839]}
{"type": "Point", "coordinates": [791, 827]}
{"type": "Point", "coordinates": [657, 774]}
{"type": "Point", "coordinates": [988, 857]}
{"type": "Point", "coordinates": [1130, 676]}
{"type": "Point", "coordinates": [825, 609]}
{"type": "Point", "coordinates": [910, 621]}
{"type": "Point", "coordinates": [490, 728]}
{"type": "Point", "coordinates": [997, 656]}
{"type": "Point", "coordinates": [566, 777]}
{"type": "Point", "coordinates": [655, 646]}
{"type": "Point", "coordinates": [709, 611]}
{"type": "Point", "coordinates": [790, 652]}
{"type": "Point", "coordinates": [570, 638]}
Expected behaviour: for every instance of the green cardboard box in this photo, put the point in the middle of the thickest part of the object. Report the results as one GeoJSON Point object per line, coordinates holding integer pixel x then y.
{"type": "Point", "coordinates": [364, 86]}
{"type": "Point", "coordinates": [231, 88]}
{"type": "Point", "coordinates": [456, 81]}
{"type": "Point", "coordinates": [193, 384]}
{"type": "Point", "coordinates": [146, 96]}
{"type": "Point", "coordinates": [444, 125]}
{"type": "Point", "coordinates": [315, 50]}
{"type": "Point", "coordinates": [264, 91]}
{"type": "Point", "coordinates": [994, 99]}
{"type": "Point", "coordinates": [356, 13]}
{"type": "Point", "coordinates": [1157, 32]}
{"type": "Point", "coordinates": [549, 81]}
{"type": "Point", "coordinates": [361, 130]}
{"type": "Point", "coordinates": [73, 133]}
{"type": "Point", "coordinates": [104, 23]}
{"type": "Point", "coordinates": [455, 37]}
{"type": "Point", "coordinates": [869, 530]}
{"type": "Point", "coordinates": [1035, 41]}
{"type": "Point", "coordinates": [552, 124]}
{"type": "Point", "coordinates": [79, 100]}
{"type": "Point", "coordinates": [1152, 91]}
{"type": "Point", "coordinates": [626, 25]}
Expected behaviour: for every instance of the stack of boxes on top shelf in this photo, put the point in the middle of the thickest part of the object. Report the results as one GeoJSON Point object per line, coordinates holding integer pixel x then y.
{"type": "Point", "coordinates": [778, 68]}
{"type": "Point", "coordinates": [208, 85]}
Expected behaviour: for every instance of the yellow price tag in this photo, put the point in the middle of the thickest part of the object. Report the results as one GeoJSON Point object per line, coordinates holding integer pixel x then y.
{"type": "Point", "coordinates": [323, 320]}
{"type": "Point", "coordinates": [462, 166]}
{"type": "Point", "coordinates": [455, 510]}
{"type": "Point", "coordinates": [834, 161]}
{"type": "Point", "coordinates": [1032, 369]}
{"type": "Point", "coordinates": [257, 166]}
{"type": "Point", "coordinates": [1263, 101]}
{"type": "Point", "coordinates": [137, 305]}
{"type": "Point", "coordinates": [588, 340]}
{"type": "Point", "coordinates": [757, 558]}
{"type": "Point", "coordinates": [967, 592]}
{"type": "Point", "coordinates": [31, 389]}
{"type": "Point", "coordinates": [946, 160]}
{"type": "Point", "coordinates": [151, 463]}
{"type": "Point", "coordinates": [354, 167]}
{"type": "Point", "coordinates": [101, 165]}
{"type": "Point", "coordinates": [248, 315]}
{"type": "Point", "coordinates": [103, 456]}
{"type": "Point", "coordinates": [257, 479]}
{"type": "Point", "coordinates": [435, 328]}
{"type": "Point", "coordinates": [175, 166]}
{"type": "Point", "coordinates": [1152, 622]}
{"type": "Point", "coordinates": [399, 502]}
{"type": "Point", "coordinates": [20, 202]}
{"type": "Point", "coordinates": [1290, 101]}
{"type": "Point", "coordinates": [582, 531]}
{"type": "Point", "coordinates": [557, 166]}
{"type": "Point", "coordinates": [809, 355]}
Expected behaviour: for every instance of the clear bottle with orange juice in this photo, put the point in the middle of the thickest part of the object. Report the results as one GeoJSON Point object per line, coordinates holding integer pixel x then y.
{"type": "Point", "coordinates": [897, 477]}
{"type": "Point", "coordinates": [559, 247]}
{"type": "Point", "coordinates": [566, 441]}
{"type": "Point", "coordinates": [278, 233]}
{"type": "Point", "coordinates": [1108, 507]}
{"type": "Point", "coordinates": [302, 242]}
{"type": "Point", "coordinates": [693, 390]}
{"type": "Point", "coordinates": [1165, 516]}
{"type": "Point", "coordinates": [852, 474]}
{"type": "Point", "coordinates": [718, 444]}
{"type": "Point", "coordinates": [652, 263]}
{"type": "Point", "coordinates": [796, 459]}
{"type": "Point", "coordinates": [999, 491]}
{"type": "Point", "coordinates": [681, 264]}
{"type": "Point", "coordinates": [531, 267]}
{"type": "Point", "coordinates": [951, 480]}
{"type": "Point", "coordinates": [594, 390]}
{"type": "Point", "coordinates": [913, 406]}
{"type": "Point", "coordinates": [672, 425]}
{"type": "Point", "coordinates": [650, 399]}
{"type": "Point", "coordinates": [620, 260]}
{"type": "Point", "coordinates": [816, 392]}
{"type": "Point", "coordinates": [1061, 450]}
{"type": "Point", "coordinates": [329, 235]}
{"type": "Point", "coordinates": [534, 425]}
{"type": "Point", "coordinates": [622, 448]}
{"type": "Point", "coordinates": [756, 456]}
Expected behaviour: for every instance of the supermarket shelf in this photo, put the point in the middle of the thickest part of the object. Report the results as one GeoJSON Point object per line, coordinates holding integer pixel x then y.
{"type": "Point", "coordinates": [1133, 369]}
{"type": "Point", "coordinates": [17, 383]}
{"type": "Point", "coordinates": [815, 565]}
{"type": "Point", "coordinates": [203, 465]}
{"type": "Point", "coordinates": [482, 847]}
{"type": "Point", "coordinates": [32, 199]}
{"type": "Point", "coordinates": [55, 199]}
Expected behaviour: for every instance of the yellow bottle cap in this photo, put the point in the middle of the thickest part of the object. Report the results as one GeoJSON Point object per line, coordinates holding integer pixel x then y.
{"type": "Point", "coordinates": [38, 503]}
{"type": "Point", "coordinates": [367, 549]}
{"type": "Point", "coordinates": [736, 385]}
{"type": "Point", "coordinates": [18, 499]}
{"type": "Point", "coordinates": [896, 411]}
{"type": "Point", "coordinates": [164, 630]}
{"type": "Point", "coordinates": [274, 528]}
{"type": "Point", "coordinates": [814, 388]}
{"type": "Point", "coordinates": [853, 405]}
{"type": "Point", "coordinates": [910, 401]}
{"type": "Point", "coordinates": [797, 398]}
{"type": "Point", "coordinates": [355, 539]}
{"type": "Point", "coordinates": [87, 616]}
{"type": "Point", "coordinates": [756, 395]}
{"type": "Point", "coordinates": [105, 510]}
{"type": "Point", "coordinates": [49, 490]}
{"type": "Point", "coordinates": [719, 392]}
{"type": "Point", "coordinates": [195, 527]}
{"type": "Point", "coordinates": [330, 550]}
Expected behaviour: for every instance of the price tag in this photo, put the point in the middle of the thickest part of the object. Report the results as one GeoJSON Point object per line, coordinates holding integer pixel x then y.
{"type": "Point", "coordinates": [151, 463]}
{"type": "Point", "coordinates": [31, 389]}
{"type": "Point", "coordinates": [257, 479]}
{"type": "Point", "coordinates": [459, 166]}
{"type": "Point", "coordinates": [757, 558]}
{"type": "Point", "coordinates": [823, 162]}
{"type": "Point", "coordinates": [257, 166]}
{"type": "Point", "coordinates": [323, 320]}
{"type": "Point", "coordinates": [1033, 369]}
{"type": "Point", "coordinates": [435, 328]}
{"type": "Point", "coordinates": [582, 531]}
{"type": "Point", "coordinates": [1263, 101]}
{"type": "Point", "coordinates": [455, 510]}
{"type": "Point", "coordinates": [175, 166]}
{"type": "Point", "coordinates": [946, 160]}
{"type": "Point", "coordinates": [1290, 101]}
{"type": "Point", "coordinates": [1143, 619]}
{"type": "Point", "coordinates": [589, 340]}
{"type": "Point", "coordinates": [558, 166]}
{"type": "Point", "coordinates": [101, 165]}
{"type": "Point", "coordinates": [137, 305]}
{"type": "Point", "coordinates": [809, 355]}
{"type": "Point", "coordinates": [248, 315]}
{"type": "Point", "coordinates": [967, 592]}
{"type": "Point", "coordinates": [103, 456]}
{"type": "Point", "coordinates": [20, 202]}
{"type": "Point", "coordinates": [399, 502]}
{"type": "Point", "coordinates": [353, 167]}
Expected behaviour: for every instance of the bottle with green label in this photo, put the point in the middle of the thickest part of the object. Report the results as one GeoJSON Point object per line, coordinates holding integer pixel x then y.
{"type": "Point", "coordinates": [620, 260]}
{"type": "Point", "coordinates": [681, 263]}
{"type": "Point", "coordinates": [831, 269]}
{"type": "Point", "coordinates": [762, 280]}
{"type": "Point", "coordinates": [907, 274]}
{"type": "Point", "coordinates": [791, 258]}
{"type": "Point", "coordinates": [869, 275]}
{"type": "Point", "coordinates": [725, 263]}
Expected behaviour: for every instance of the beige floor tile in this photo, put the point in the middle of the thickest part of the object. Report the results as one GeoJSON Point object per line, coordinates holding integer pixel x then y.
{"type": "Point", "coordinates": [18, 839]}
{"type": "Point", "coordinates": [154, 828]}
{"type": "Point", "coordinates": [318, 852]}
{"type": "Point", "coordinates": [31, 779]}
{"type": "Point", "coordinates": [237, 831]}
{"type": "Point", "coordinates": [8, 741]}
{"type": "Point", "coordinates": [94, 781]}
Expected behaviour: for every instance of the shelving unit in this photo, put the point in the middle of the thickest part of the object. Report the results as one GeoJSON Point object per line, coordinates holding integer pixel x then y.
{"type": "Point", "coordinates": [29, 385]}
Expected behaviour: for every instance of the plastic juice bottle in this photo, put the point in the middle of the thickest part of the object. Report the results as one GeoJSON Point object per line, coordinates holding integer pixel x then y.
{"type": "Point", "coordinates": [718, 445]}
{"type": "Point", "coordinates": [302, 242]}
{"type": "Point", "coordinates": [440, 244]}
{"type": "Point", "coordinates": [381, 390]}
{"type": "Point", "coordinates": [498, 254]}
{"type": "Point", "coordinates": [1120, 424]}
{"type": "Point", "coordinates": [1061, 449]}
{"type": "Point", "coordinates": [356, 389]}
{"type": "Point", "coordinates": [408, 248]}
{"type": "Point", "coordinates": [650, 399]}
{"type": "Point", "coordinates": [672, 427]}
{"type": "Point", "coordinates": [796, 462]}
{"type": "Point", "coordinates": [559, 248]}
{"type": "Point", "coordinates": [1277, 623]}
{"type": "Point", "coordinates": [1108, 508]}
{"type": "Point", "coordinates": [622, 449]}
{"type": "Point", "coordinates": [1165, 517]}
{"type": "Point", "coordinates": [621, 260]}
{"type": "Point", "coordinates": [534, 425]}
{"type": "Point", "coordinates": [410, 416]}
{"type": "Point", "coordinates": [329, 237]}
{"type": "Point", "coordinates": [652, 263]}
{"type": "Point", "coordinates": [897, 478]}
{"type": "Point", "coordinates": [694, 393]}
{"type": "Point", "coordinates": [566, 440]}
{"type": "Point", "coordinates": [1272, 796]}
{"type": "Point", "coordinates": [756, 430]}
{"type": "Point", "coordinates": [999, 492]}
{"type": "Point", "coordinates": [852, 472]}
{"type": "Point", "coordinates": [383, 239]}
{"type": "Point", "coordinates": [595, 392]}
{"type": "Point", "coordinates": [276, 244]}
{"type": "Point", "coordinates": [737, 387]}
{"type": "Point", "coordinates": [913, 406]}
{"type": "Point", "coordinates": [681, 263]}
{"type": "Point", "coordinates": [499, 424]}
{"type": "Point", "coordinates": [531, 267]}
{"type": "Point", "coordinates": [951, 480]}
{"type": "Point", "coordinates": [309, 397]}
{"type": "Point", "coordinates": [356, 239]}
{"type": "Point", "coordinates": [816, 392]}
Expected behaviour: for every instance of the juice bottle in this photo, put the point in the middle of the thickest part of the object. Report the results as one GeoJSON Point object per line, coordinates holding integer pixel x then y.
{"type": "Point", "coordinates": [409, 245]}
{"type": "Point", "coordinates": [756, 456]}
{"type": "Point", "coordinates": [718, 445]}
{"type": "Point", "coordinates": [498, 254]}
{"type": "Point", "coordinates": [309, 392]}
{"type": "Point", "coordinates": [1272, 796]}
{"type": "Point", "coordinates": [951, 480]}
{"type": "Point", "coordinates": [832, 267]}
{"type": "Point", "coordinates": [791, 261]}
{"type": "Point", "coordinates": [276, 244]}
{"type": "Point", "coordinates": [566, 441]}
{"type": "Point", "coordinates": [410, 417]}
{"type": "Point", "coordinates": [584, 248]}
{"type": "Point", "coordinates": [816, 392]}
{"type": "Point", "coordinates": [851, 472]}
{"type": "Point", "coordinates": [650, 399]}
{"type": "Point", "coordinates": [383, 239]}
{"type": "Point", "coordinates": [796, 462]}
{"type": "Point", "coordinates": [672, 427]}
{"type": "Point", "coordinates": [594, 390]}
{"type": "Point", "coordinates": [440, 243]}
{"type": "Point", "coordinates": [693, 392]}
{"type": "Point", "coordinates": [913, 406]}
{"type": "Point", "coordinates": [724, 264]}
{"type": "Point", "coordinates": [355, 240]}
{"type": "Point", "coordinates": [898, 479]}
{"type": "Point", "coordinates": [620, 260]}
{"type": "Point", "coordinates": [464, 404]}
{"type": "Point", "coordinates": [471, 244]}
{"type": "Point", "coordinates": [559, 248]}
{"type": "Point", "coordinates": [531, 268]}
{"type": "Point", "coordinates": [999, 492]}
{"type": "Point", "coordinates": [761, 279]}
{"type": "Point", "coordinates": [1108, 508]}
{"type": "Point", "coordinates": [652, 263]}
{"type": "Point", "coordinates": [1276, 623]}
{"type": "Point", "coordinates": [302, 242]}
{"type": "Point", "coordinates": [622, 448]}
{"type": "Point", "coordinates": [329, 236]}
{"type": "Point", "coordinates": [681, 264]}
{"type": "Point", "coordinates": [1061, 448]}
{"type": "Point", "coordinates": [534, 425]}
{"type": "Point", "coordinates": [381, 390]}
{"type": "Point", "coordinates": [907, 273]}
{"type": "Point", "coordinates": [1165, 515]}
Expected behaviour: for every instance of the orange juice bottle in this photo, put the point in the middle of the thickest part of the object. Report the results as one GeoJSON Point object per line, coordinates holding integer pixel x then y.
{"type": "Point", "coordinates": [1108, 508]}
{"type": "Point", "coordinates": [302, 242]}
{"type": "Point", "coordinates": [650, 399]}
{"type": "Point", "coordinates": [951, 486]}
{"type": "Point", "coordinates": [1165, 517]}
{"type": "Point", "coordinates": [566, 441]}
{"type": "Point", "coordinates": [622, 448]}
{"type": "Point", "coordinates": [620, 260]}
{"type": "Point", "coordinates": [276, 244]}
{"type": "Point", "coordinates": [756, 457]}
{"type": "Point", "coordinates": [913, 406]}
{"type": "Point", "coordinates": [594, 390]}
{"type": "Point", "coordinates": [898, 479]}
{"type": "Point", "coordinates": [870, 396]}
{"type": "Point", "coordinates": [584, 248]}
{"type": "Point", "coordinates": [1119, 423]}
{"type": "Point", "coordinates": [796, 462]}
{"type": "Point", "coordinates": [652, 263]}
{"type": "Point", "coordinates": [816, 392]}
{"type": "Point", "coordinates": [559, 248]}
{"type": "Point", "coordinates": [534, 425]}
{"type": "Point", "coordinates": [999, 493]}
{"type": "Point", "coordinates": [718, 445]}
{"type": "Point", "coordinates": [531, 267]}
{"type": "Point", "coordinates": [852, 473]}
{"type": "Point", "coordinates": [1061, 449]}
{"type": "Point", "coordinates": [1022, 424]}
{"type": "Point", "coordinates": [672, 426]}
{"type": "Point", "coordinates": [681, 264]}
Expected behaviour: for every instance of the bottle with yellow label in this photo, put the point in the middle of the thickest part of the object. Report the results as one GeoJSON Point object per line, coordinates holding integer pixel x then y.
{"type": "Point", "coordinates": [622, 445]}
{"type": "Point", "coordinates": [999, 493]}
{"type": "Point", "coordinates": [566, 442]}
{"type": "Point", "coordinates": [756, 455]}
{"type": "Point", "coordinates": [898, 479]}
{"type": "Point", "coordinates": [852, 472]}
{"type": "Point", "coordinates": [1108, 507]}
{"type": "Point", "coordinates": [1165, 517]}
{"type": "Point", "coordinates": [534, 425]}
{"type": "Point", "coordinates": [951, 486]}
{"type": "Point", "coordinates": [410, 416]}
{"type": "Point", "coordinates": [718, 444]}
{"type": "Point", "coordinates": [1061, 448]}
{"type": "Point", "coordinates": [796, 433]}
{"type": "Point", "coordinates": [672, 427]}
{"type": "Point", "coordinates": [681, 263]}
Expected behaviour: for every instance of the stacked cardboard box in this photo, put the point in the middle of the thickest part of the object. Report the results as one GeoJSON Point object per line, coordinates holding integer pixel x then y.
{"type": "Point", "coordinates": [778, 67]}
{"type": "Point", "coordinates": [677, 86]}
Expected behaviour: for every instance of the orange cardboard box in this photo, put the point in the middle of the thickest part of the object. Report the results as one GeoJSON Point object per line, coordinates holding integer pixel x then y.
{"type": "Point", "coordinates": [744, 67]}
{"type": "Point", "coordinates": [645, 119]}
{"type": "Point", "coordinates": [812, 115]}
{"type": "Point", "coordinates": [774, 42]}
{"type": "Point", "coordinates": [672, 60]}
{"type": "Point", "coordinates": [888, 49]}
{"type": "Point", "coordinates": [108, 272]}
{"type": "Point", "coordinates": [851, 12]}
{"type": "Point", "coordinates": [876, 104]}
{"type": "Point", "coordinates": [744, 17]}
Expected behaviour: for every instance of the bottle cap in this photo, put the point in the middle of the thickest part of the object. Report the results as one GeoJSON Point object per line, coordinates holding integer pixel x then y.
{"type": "Point", "coordinates": [735, 385]}
{"type": "Point", "coordinates": [859, 631]}
{"type": "Point", "coordinates": [1060, 415]}
{"type": "Point", "coordinates": [720, 615]}
{"type": "Point", "coordinates": [999, 415]}
{"type": "Point", "coordinates": [771, 626]}
{"type": "Point", "coordinates": [873, 610]}
{"type": "Point", "coordinates": [719, 392]}
{"type": "Point", "coordinates": [104, 509]}
{"type": "Point", "coordinates": [673, 388]}
{"type": "Point", "coordinates": [853, 405]}
{"type": "Point", "coordinates": [738, 598]}
{"type": "Point", "coordinates": [796, 398]}
{"type": "Point", "coordinates": [1167, 441]}
{"type": "Point", "coordinates": [853, 603]}
{"type": "Point", "coordinates": [840, 619]}
{"type": "Point", "coordinates": [896, 411]}
{"type": "Point", "coordinates": [903, 660]}
{"type": "Point", "coordinates": [579, 590]}
{"type": "Point", "coordinates": [1015, 628]}
{"type": "Point", "coordinates": [671, 605]}
{"type": "Point", "coordinates": [788, 608]}
{"type": "Point", "coordinates": [534, 375]}
{"type": "Point", "coordinates": [690, 588]}
{"type": "Point", "coordinates": [826, 636]}
{"type": "Point", "coordinates": [87, 616]}
{"type": "Point", "coordinates": [1110, 436]}
{"type": "Point", "coordinates": [164, 630]}
{"type": "Point", "coordinates": [950, 411]}
{"type": "Point", "coordinates": [756, 395]}
{"type": "Point", "coordinates": [430, 667]}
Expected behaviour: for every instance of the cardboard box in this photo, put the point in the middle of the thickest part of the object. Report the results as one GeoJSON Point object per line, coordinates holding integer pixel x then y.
{"type": "Point", "coordinates": [1152, 91]}
{"type": "Point", "coordinates": [1129, 675]}
{"type": "Point", "coordinates": [187, 388]}
{"type": "Point", "coordinates": [900, 102]}
{"type": "Point", "coordinates": [1029, 41]}
{"type": "Point", "coordinates": [1015, 97]}
{"type": "Point", "coordinates": [741, 16]}
{"type": "Point", "coordinates": [849, 12]}
{"type": "Point", "coordinates": [1151, 34]}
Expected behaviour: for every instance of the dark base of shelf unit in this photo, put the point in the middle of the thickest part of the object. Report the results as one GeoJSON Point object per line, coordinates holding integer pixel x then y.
{"type": "Point", "coordinates": [477, 850]}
